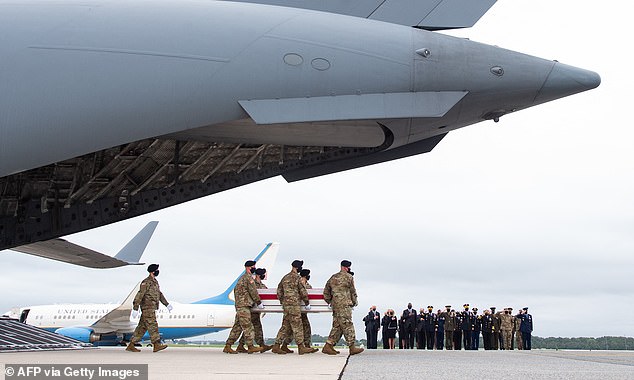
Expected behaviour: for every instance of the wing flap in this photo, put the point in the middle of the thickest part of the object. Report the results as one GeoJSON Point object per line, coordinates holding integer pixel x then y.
{"type": "Point", "coordinates": [352, 107]}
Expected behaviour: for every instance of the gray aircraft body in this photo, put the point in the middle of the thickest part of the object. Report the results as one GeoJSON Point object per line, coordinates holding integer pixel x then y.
{"type": "Point", "coordinates": [113, 109]}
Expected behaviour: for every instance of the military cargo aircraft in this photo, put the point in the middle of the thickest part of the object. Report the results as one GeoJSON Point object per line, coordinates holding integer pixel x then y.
{"type": "Point", "coordinates": [111, 109]}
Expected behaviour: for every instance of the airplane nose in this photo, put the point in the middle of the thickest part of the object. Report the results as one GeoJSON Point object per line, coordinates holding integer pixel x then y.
{"type": "Point", "coordinates": [566, 80]}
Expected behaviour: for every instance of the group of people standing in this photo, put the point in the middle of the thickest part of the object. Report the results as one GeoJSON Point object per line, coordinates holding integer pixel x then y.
{"type": "Point", "coordinates": [449, 329]}
{"type": "Point", "coordinates": [339, 293]}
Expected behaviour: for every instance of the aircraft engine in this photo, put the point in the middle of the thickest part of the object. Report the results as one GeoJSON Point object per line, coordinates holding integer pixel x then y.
{"type": "Point", "coordinates": [82, 334]}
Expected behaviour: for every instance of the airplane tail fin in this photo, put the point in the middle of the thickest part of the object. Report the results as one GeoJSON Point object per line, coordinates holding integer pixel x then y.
{"type": "Point", "coordinates": [265, 259]}
{"type": "Point", "coordinates": [133, 251]}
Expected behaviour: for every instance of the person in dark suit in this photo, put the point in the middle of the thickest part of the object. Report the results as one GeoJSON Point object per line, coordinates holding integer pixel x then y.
{"type": "Point", "coordinates": [385, 321]}
{"type": "Point", "coordinates": [409, 316]}
{"type": "Point", "coordinates": [402, 338]}
{"type": "Point", "coordinates": [372, 324]}
{"type": "Point", "coordinates": [420, 330]}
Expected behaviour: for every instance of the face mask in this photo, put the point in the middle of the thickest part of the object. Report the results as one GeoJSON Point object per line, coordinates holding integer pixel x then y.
{"type": "Point", "coordinates": [156, 273]}
{"type": "Point", "coordinates": [252, 270]}
{"type": "Point", "coordinates": [307, 277]}
{"type": "Point", "coordinates": [374, 309]}
{"type": "Point", "coordinates": [262, 276]}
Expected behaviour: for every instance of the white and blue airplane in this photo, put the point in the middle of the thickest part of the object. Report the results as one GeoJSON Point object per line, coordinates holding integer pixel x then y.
{"type": "Point", "coordinates": [111, 324]}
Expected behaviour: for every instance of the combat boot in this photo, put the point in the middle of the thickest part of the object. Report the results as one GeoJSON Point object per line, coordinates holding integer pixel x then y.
{"type": "Point", "coordinates": [328, 349]}
{"type": "Point", "coordinates": [158, 346]}
{"type": "Point", "coordinates": [228, 349]}
{"type": "Point", "coordinates": [131, 348]}
{"type": "Point", "coordinates": [302, 349]}
{"type": "Point", "coordinates": [277, 350]}
{"type": "Point", "coordinates": [251, 349]}
{"type": "Point", "coordinates": [355, 350]}
{"type": "Point", "coordinates": [286, 349]}
{"type": "Point", "coordinates": [265, 347]}
{"type": "Point", "coordinates": [312, 349]}
{"type": "Point", "coordinates": [241, 349]}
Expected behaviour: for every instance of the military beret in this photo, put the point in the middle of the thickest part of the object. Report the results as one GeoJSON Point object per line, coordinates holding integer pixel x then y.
{"type": "Point", "coordinates": [304, 272]}
{"type": "Point", "coordinates": [249, 263]}
{"type": "Point", "coordinates": [346, 263]}
{"type": "Point", "coordinates": [525, 308]}
{"type": "Point", "coordinates": [510, 308]}
{"type": "Point", "coordinates": [297, 264]}
{"type": "Point", "coordinates": [152, 267]}
{"type": "Point", "coordinates": [260, 271]}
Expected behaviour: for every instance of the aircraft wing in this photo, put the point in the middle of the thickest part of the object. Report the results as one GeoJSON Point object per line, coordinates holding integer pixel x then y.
{"type": "Point", "coordinates": [119, 318]}
{"type": "Point", "coordinates": [65, 251]}
{"type": "Point", "coordinates": [426, 14]}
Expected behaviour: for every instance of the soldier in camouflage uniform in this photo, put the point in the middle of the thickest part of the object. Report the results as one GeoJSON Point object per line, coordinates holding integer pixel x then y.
{"type": "Point", "coordinates": [256, 318]}
{"type": "Point", "coordinates": [290, 292]}
{"type": "Point", "coordinates": [341, 294]}
{"type": "Point", "coordinates": [506, 328]}
{"type": "Point", "coordinates": [148, 298]}
{"type": "Point", "coordinates": [246, 295]}
{"type": "Point", "coordinates": [518, 334]}
{"type": "Point", "coordinates": [304, 276]}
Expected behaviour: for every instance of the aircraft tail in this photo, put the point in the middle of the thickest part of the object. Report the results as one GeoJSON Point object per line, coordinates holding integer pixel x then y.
{"type": "Point", "coordinates": [133, 251]}
{"type": "Point", "coordinates": [265, 259]}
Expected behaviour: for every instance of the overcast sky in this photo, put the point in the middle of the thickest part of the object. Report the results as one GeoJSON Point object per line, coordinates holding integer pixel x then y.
{"type": "Point", "coordinates": [536, 210]}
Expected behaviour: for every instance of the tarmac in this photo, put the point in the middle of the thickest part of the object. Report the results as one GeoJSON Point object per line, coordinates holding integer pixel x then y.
{"type": "Point", "coordinates": [212, 363]}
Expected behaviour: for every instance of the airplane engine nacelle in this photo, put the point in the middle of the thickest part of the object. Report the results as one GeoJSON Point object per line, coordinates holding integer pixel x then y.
{"type": "Point", "coordinates": [81, 334]}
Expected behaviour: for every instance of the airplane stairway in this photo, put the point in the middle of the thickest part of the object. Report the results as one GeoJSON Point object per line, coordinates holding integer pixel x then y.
{"type": "Point", "coordinates": [16, 336]}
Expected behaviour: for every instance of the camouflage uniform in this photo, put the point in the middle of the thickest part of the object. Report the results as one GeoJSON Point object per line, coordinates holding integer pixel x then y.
{"type": "Point", "coordinates": [256, 320]}
{"type": "Point", "coordinates": [506, 327]}
{"type": "Point", "coordinates": [148, 298]}
{"type": "Point", "coordinates": [246, 295]}
{"type": "Point", "coordinates": [305, 326]}
{"type": "Point", "coordinates": [341, 294]}
{"type": "Point", "coordinates": [518, 334]}
{"type": "Point", "coordinates": [290, 292]}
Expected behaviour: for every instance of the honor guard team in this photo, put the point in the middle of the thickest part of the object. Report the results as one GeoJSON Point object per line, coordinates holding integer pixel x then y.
{"type": "Point", "coordinates": [446, 329]}
{"type": "Point", "coordinates": [451, 330]}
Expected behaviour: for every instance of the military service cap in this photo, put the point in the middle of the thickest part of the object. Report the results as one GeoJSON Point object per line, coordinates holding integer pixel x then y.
{"type": "Point", "coordinates": [297, 264]}
{"type": "Point", "coordinates": [152, 267]}
{"type": "Point", "coordinates": [492, 308]}
{"type": "Point", "coordinates": [448, 306]}
{"type": "Point", "coordinates": [304, 272]}
{"type": "Point", "coordinates": [475, 309]}
{"type": "Point", "coordinates": [260, 271]}
{"type": "Point", "coordinates": [430, 307]}
{"type": "Point", "coordinates": [465, 305]}
{"type": "Point", "coordinates": [346, 263]}
{"type": "Point", "coordinates": [249, 263]}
